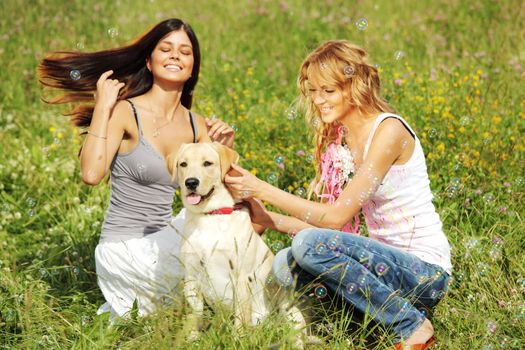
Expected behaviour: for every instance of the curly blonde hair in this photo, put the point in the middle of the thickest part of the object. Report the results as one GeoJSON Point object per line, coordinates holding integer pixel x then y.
{"type": "Point", "coordinates": [345, 65]}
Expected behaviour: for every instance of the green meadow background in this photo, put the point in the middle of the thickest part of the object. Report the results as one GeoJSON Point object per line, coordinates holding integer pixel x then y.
{"type": "Point", "coordinates": [454, 69]}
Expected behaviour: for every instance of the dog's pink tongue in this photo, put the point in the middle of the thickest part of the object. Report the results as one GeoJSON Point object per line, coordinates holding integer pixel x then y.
{"type": "Point", "coordinates": [193, 198]}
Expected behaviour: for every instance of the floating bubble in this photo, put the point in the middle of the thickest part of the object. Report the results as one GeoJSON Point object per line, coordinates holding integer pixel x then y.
{"type": "Point", "coordinates": [483, 268]}
{"type": "Point", "coordinates": [141, 168]}
{"type": "Point", "coordinates": [30, 202]}
{"type": "Point", "coordinates": [43, 272]}
{"type": "Point", "coordinates": [80, 45]}
{"type": "Point", "coordinates": [339, 250]}
{"type": "Point", "coordinates": [423, 312]}
{"type": "Point", "coordinates": [491, 327]}
{"type": "Point", "coordinates": [76, 270]}
{"type": "Point", "coordinates": [465, 120]}
{"type": "Point", "coordinates": [277, 246]}
{"type": "Point", "coordinates": [291, 113]}
{"type": "Point", "coordinates": [113, 32]}
{"type": "Point", "coordinates": [381, 269]}
{"type": "Point", "coordinates": [363, 256]}
{"type": "Point", "coordinates": [403, 304]}
{"type": "Point", "coordinates": [269, 279]}
{"type": "Point", "coordinates": [332, 244]}
{"type": "Point", "coordinates": [320, 248]}
{"type": "Point", "coordinates": [361, 280]}
{"type": "Point", "coordinates": [75, 74]}
{"type": "Point", "coordinates": [519, 181]}
{"type": "Point", "coordinates": [31, 212]}
{"type": "Point", "coordinates": [84, 320]}
{"type": "Point", "coordinates": [234, 127]}
{"type": "Point", "coordinates": [416, 268]}
{"type": "Point", "coordinates": [351, 288]}
{"type": "Point", "coordinates": [301, 191]}
{"type": "Point", "coordinates": [272, 178]}
{"type": "Point", "coordinates": [279, 159]}
{"type": "Point", "coordinates": [361, 23]}
{"type": "Point", "coordinates": [432, 133]}
{"type": "Point", "coordinates": [399, 55]}
{"type": "Point", "coordinates": [488, 198]}
{"type": "Point", "coordinates": [433, 294]}
{"type": "Point", "coordinates": [322, 66]}
{"type": "Point", "coordinates": [348, 71]}
{"type": "Point", "coordinates": [320, 291]}
{"type": "Point", "coordinates": [316, 122]}
{"type": "Point", "coordinates": [309, 158]}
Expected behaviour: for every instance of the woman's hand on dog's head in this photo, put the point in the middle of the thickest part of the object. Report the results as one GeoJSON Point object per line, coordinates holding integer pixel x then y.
{"type": "Point", "coordinates": [242, 183]}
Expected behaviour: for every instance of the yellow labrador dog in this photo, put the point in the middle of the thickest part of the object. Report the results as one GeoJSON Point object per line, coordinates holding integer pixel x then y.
{"type": "Point", "coordinates": [225, 260]}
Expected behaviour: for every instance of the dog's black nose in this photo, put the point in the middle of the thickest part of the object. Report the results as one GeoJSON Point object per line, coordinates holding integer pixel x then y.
{"type": "Point", "coordinates": [192, 183]}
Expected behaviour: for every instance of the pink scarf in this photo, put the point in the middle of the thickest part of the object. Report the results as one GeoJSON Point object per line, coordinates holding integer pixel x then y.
{"type": "Point", "coordinates": [336, 166]}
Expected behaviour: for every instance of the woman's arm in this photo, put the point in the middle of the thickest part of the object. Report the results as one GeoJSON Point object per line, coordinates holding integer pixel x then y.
{"type": "Point", "coordinates": [105, 131]}
{"type": "Point", "coordinates": [387, 145]}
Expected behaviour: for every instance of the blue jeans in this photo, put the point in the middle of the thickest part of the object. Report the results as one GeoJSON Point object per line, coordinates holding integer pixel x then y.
{"type": "Point", "coordinates": [389, 284]}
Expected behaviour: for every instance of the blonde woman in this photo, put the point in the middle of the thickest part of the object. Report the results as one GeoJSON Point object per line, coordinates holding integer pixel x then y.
{"type": "Point", "coordinates": [402, 269]}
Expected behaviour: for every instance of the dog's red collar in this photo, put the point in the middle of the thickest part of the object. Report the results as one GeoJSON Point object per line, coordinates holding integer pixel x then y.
{"type": "Point", "coordinates": [225, 211]}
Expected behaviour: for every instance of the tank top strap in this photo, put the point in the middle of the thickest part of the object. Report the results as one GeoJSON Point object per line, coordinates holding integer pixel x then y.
{"type": "Point", "coordinates": [135, 114]}
{"type": "Point", "coordinates": [378, 121]}
{"type": "Point", "coordinates": [193, 127]}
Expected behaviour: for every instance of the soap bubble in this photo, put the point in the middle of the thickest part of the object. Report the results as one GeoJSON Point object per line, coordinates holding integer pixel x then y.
{"type": "Point", "coordinates": [381, 269]}
{"type": "Point", "coordinates": [141, 168]}
{"type": "Point", "coordinates": [489, 198]}
{"type": "Point", "coordinates": [80, 45]}
{"type": "Point", "coordinates": [519, 181]}
{"type": "Point", "coordinates": [277, 246]}
{"type": "Point", "coordinates": [339, 250]}
{"type": "Point", "coordinates": [432, 133]}
{"type": "Point", "coordinates": [465, 120]}
{"type": "Point", "coordinates": [320, 291]}
{"type": "Point", "coordinates": [363, 256]}
{"type": "Point", "coordinates": [361, 280]}
{"type": "Point", "coordinates": [112, 32]}
{"type": "Point", "coordinates": [30, 202]}
{"type": "Point", "coordinates": [348, 71]}
{"type": "Point", "coordinates": [320, 248]}
{"type": "Point", "coordinates": [76, 270]}
{"type": "Point", "coordinates": [272, 178]}
{"type": "Point", "coordinates": [491, 327]}
{"type": "Point", "coordinates": [351, 288]}
{"type": "Point", "coordinates": [75, 74]}
{"type": "Point", "coordinates": [399, 55]}
{"type": "Point", "coordinates": [361, 23]}
{"type": "Point", "coordinates": [234, 127]}
{"type": "Point", "coordinates": [301, 191]}
{"type": "Point", "coordinates": [279, 159]}
{"type": "Point", "coordinates": [291, 113]}
{"type": "Point", "coordinates": [342, 131]}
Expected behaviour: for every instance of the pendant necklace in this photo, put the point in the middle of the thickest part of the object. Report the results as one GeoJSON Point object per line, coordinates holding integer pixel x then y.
{"type": "Point", "coordinates": [156, 132]}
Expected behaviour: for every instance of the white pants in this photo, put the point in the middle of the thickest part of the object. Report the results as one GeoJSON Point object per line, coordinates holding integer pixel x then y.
{"type": "Point", "coordinates": [145, 269]}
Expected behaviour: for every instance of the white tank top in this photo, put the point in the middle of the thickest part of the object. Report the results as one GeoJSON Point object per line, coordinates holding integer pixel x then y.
{"type": "Point", "coordinates": [401, 214]}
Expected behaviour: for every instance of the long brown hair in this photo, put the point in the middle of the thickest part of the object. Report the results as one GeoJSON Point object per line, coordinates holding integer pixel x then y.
{"type": "Point", "coordinates": [76, 73]}
{"type": "Point", "coordinates": [345, 65]}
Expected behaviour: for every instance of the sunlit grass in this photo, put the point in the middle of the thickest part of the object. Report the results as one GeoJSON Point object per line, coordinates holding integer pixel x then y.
{"type": "Point", "coordinates": [453, 69]}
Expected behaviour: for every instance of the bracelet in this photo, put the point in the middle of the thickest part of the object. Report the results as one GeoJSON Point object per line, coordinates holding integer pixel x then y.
{"type": "Point", "coordinates": [100, 137]}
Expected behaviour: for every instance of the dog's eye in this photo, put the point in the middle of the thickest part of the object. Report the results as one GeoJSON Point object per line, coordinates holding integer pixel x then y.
{"type": "Point", "coordinates": [183, 164]}
{"type": "Point", "coordinates": [206, 163]}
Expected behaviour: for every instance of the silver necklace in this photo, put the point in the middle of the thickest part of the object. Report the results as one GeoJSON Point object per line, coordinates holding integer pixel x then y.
{"type": "Point", "coordinates": [156, 132]}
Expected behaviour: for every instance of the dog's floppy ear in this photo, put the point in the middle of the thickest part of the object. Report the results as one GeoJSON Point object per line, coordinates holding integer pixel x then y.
{"type": "Point", "coordinates": [171, 162]}
{"type": "Point", "coordinates": [227, 157]}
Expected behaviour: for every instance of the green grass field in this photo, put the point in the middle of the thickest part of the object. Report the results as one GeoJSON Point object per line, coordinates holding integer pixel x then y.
{"type": "Point", "coordinates": [453, 69]}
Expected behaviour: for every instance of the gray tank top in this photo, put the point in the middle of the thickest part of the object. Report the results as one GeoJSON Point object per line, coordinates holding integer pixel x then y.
{"type": "Point", "coordinates": [142, 191]}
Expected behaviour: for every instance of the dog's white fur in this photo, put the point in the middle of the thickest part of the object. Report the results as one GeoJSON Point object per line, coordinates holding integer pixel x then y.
{"type": "Point", "coordinates": [225, 260]}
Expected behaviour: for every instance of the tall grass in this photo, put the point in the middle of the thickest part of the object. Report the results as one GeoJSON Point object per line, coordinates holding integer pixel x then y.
{"type": "Point", "coordinates": [454, 69]}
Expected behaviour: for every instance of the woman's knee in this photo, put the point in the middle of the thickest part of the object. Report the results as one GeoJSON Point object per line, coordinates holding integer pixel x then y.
{"type": "Point", "coordinates": [303, 241]}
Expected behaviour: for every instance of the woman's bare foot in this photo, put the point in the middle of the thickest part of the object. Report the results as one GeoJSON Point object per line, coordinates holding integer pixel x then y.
{"type": "Point", "coordinates": [422, 334]}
